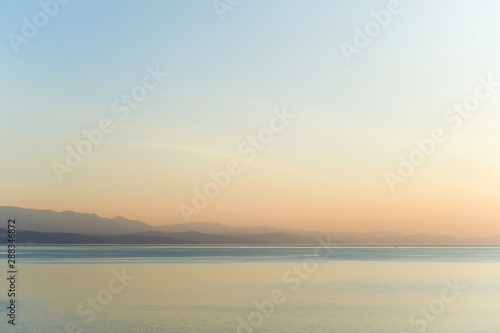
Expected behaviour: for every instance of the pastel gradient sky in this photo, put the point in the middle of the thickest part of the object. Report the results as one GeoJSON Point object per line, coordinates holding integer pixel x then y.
{"type": "Point", "coordinates": [323, 171]}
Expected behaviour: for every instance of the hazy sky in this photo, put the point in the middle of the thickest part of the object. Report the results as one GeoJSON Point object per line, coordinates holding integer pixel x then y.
{"type": "Point", "coordinates": [326, 169]}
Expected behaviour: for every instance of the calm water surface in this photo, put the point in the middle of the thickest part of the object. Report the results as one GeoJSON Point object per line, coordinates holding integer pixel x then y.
{"type": "Point", "coordinates": [226, 288]}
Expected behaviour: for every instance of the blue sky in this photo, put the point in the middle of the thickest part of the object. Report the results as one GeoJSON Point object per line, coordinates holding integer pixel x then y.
{"type": "Point", "coordinates": [353, 119]}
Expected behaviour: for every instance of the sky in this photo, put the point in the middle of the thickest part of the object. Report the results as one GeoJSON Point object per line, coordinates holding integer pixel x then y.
{"type": "Point", "coordinates": [301, 133]}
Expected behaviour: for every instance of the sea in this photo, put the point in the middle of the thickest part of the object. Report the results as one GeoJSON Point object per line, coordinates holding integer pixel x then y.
{"type": "Point", "coordinates": [193, 289]}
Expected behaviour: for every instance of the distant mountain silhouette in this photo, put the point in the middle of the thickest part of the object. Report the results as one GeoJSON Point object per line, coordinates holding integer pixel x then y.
{"type": "Point", "coordinates": [215, 228]}
{"type": "Point", "coordinates": [70, 222]}
{"type": "Point", "coordinates": [50, 227]}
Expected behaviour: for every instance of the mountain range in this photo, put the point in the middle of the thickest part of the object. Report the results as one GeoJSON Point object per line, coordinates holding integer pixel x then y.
{"type": "Point", "coordinates": [67, 227]}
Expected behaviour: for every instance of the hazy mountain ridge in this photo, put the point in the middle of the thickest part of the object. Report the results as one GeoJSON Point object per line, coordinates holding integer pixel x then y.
{"type": "Point", "coordinates": [67, 227]}
{"type": "Point", "coordinates": [70, 222]}
{"type": "Point", "coordinates": [211, 227]}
